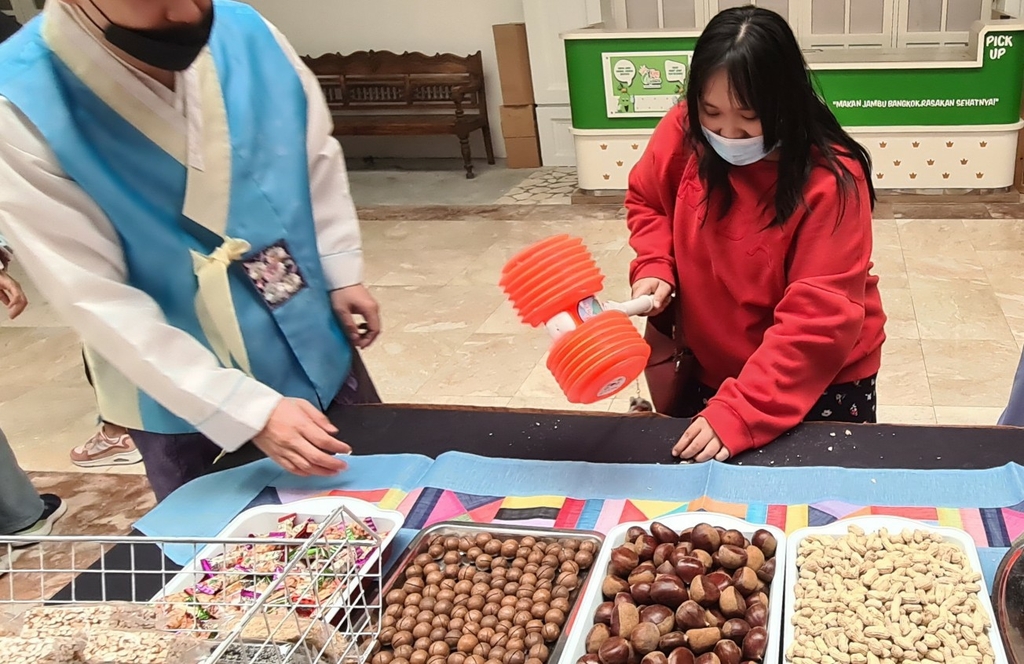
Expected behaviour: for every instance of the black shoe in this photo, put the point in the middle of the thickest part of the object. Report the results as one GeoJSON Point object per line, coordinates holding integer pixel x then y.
{"type": "Point", "coordinates": [53, 509]}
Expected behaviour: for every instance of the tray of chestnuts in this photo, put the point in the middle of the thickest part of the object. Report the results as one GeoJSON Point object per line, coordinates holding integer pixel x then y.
{"type": "Point", "coordinates": [466, 594]}
{"type": "Point", "coordinates": [694, 588]}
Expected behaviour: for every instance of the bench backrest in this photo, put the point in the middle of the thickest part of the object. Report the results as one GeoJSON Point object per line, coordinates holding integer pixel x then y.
{"type": "Point", "coordinates": [382, 80]}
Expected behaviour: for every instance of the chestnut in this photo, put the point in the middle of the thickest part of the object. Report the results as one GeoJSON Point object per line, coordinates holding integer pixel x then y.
{"type": "Point", "coordinates": [662, 553]}
{"type": "Point", "coordinates": [709, 658]}
{"type": "Point", "coordinates": [704, 592]}
{"type": "Point", "coordinates": [745, 580]}
{"type": "Point", "coordinates": [757, 616]}
{"type": "Point", "coordinates": [765, 541]}
{"type": "Point", "coordinates": [732, 557]}
{"type": "Point", "coordinates": [706, 538]}
{"type": "Point", "coordinates": [669, 591]}
{"type": "Point", "coordinates": [641, 593]}
{"type": "Point", "coordinates": [688, 567]}
{"type": "Point", "coordinates": [645, 638]}
{"type": "Point", "coordinates": [667, 567]}
{"type": "Point", "coordinates": [757, 598]}
{"type": "Point", "coordinates": [767, 571]}
{"type": "Point", "coordinates": [625, 618]}
{"type": "Point", "coordinates": [755, 557]}
{"type": "Point", "coordinates": [589, 658]}
{"type": "Point", "coordinates": [681, 656]}
{"type": "Point", "coordinates": [734, 537]}
{"type": "Point", "coordinates": [623, 560]}
{"type": "Point", "coordinates": [704, 557]}
{"type": "Point", "coordinates": [642, 573]}
{"type": "Point", "coordinates": [603, 614]}
{"type": "Point", "coordinates": [660, 616]}
{"type": "Point", "coordinates": [731, 603]}
{"type": "Point", "coordinates": [720, 578]}
{"type": "Point", "coordinates": [735, 630]}
{"type": "Point", "coordinates": [663, 533]}
{"type": "Point", "coordinates": [656, 657]}
{"type": "Point", "coordinates": [616, 650]}
{"type": "Point", "coordinates": [690, 615]}
{"type": "Point", "coordinates": [728, 652]}
{"type": "Point", "coordinates": [634, 532]}
{"type": "Point", "coordinates": [623, 598]}
{"type": "Point", "coordinates": [703, 640]}
{"type": "Point", "coordinates": [645, 545]}
{"type": "Point", "coordinates": [714, 618]}
{"type": "Point", "coordinates": [613, 585]}
{"type": "Point", "coordinates": [671, 641]}
{"type": "Point", "coordinates": [755, 644]}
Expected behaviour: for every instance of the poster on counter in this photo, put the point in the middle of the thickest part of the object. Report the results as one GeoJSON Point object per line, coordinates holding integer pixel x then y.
{"type": "Point", "coordinates": [644, 84]}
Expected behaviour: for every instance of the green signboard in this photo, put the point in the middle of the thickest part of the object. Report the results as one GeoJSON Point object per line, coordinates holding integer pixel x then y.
{"type": "Point", "coordinates": [864, 95]}
{"type": "Point", "coordinates": [642, 84]}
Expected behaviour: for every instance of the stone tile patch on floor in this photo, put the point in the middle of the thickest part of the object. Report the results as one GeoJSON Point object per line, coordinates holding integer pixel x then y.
{"type": "Point", "coordinates": [548, 186]}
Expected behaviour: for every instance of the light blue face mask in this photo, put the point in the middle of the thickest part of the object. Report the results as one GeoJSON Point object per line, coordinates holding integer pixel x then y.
{"type": "Point", "coordinates": [738, 151]}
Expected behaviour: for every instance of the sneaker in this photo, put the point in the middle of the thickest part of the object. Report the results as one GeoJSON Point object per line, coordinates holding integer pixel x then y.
{"type": "Point", "coordinates": [103, 450]}
{"type": "Point", "coordinates": [53, 509]}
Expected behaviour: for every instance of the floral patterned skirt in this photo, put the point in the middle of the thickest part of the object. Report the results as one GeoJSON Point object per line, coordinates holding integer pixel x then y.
{"type": "Point", "coordinates": [856, 402]}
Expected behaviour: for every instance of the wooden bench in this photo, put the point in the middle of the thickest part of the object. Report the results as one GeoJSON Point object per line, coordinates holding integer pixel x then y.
{"type": "Point", "coordinates": [379, 93]}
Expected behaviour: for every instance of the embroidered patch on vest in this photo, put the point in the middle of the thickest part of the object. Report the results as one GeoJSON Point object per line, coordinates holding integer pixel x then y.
{"type": "Point", "coordinates": [275, 274]}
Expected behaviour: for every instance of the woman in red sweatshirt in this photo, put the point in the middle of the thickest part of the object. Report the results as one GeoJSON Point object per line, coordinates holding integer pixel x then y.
{"type": "Point", "coordinates": [751, 211]}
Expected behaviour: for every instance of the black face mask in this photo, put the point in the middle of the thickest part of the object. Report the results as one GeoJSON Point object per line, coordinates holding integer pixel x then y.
{"type": "Point", "coordinates": [172, 49]}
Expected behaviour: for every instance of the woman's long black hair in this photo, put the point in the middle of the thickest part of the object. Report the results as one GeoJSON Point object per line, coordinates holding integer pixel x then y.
{"type": "Point", "coordinates": [758, 52]}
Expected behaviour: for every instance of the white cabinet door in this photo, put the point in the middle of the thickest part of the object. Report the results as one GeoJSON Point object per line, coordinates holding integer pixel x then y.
{"type": "Point", "coordinates": [557, 146]}
{"type": "Point", "coordinates": [545, 21]}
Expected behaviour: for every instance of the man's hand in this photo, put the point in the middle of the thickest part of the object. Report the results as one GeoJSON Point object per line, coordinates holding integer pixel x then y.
{"type": "Point", "coordinates": [700, 443]}
{"type": "Point", "coordinates": [661, 290]}
{"type": "Point", "coordinates": [11, 295]}
{"type": "Point", "coordinates": [355, 301]}
{"type": "Point", "coordinates": [301, 440]}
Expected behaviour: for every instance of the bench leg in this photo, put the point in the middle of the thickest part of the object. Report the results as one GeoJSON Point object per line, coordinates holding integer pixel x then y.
{"type": "Point", "coordinates": [488, 145]}
{"type": "Point", "coordinates": [467, 156]}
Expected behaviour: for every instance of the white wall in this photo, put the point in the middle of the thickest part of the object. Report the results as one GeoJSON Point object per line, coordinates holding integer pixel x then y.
{"type": "Point", "coordinates": [455, 26]}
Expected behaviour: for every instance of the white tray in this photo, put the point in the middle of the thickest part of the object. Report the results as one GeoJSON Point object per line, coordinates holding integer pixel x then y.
{"type": "Point", "coordinates": [583, 619]}
{"type": "Point", "coordinates": [872, 524]}
{"type": "Point", "coordinates": [264, 519]}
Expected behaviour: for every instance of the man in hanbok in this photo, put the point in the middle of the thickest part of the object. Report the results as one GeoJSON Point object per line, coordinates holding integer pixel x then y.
{"type": "Point", "coordinates": [169, 179]}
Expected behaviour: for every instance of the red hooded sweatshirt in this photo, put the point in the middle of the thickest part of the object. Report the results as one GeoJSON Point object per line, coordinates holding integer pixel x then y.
{"type": "Point", "coordinates": [773, 314]}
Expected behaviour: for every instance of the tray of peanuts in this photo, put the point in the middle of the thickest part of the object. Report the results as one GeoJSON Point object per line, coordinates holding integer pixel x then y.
{"type": "Point", "coordinates": [887, 590]}
{"type": "Point", "coordinates": [693, 588]}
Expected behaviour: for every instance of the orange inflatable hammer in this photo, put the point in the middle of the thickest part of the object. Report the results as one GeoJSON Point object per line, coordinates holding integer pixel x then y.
{"type": "Point", "coordinates": [597, 352]}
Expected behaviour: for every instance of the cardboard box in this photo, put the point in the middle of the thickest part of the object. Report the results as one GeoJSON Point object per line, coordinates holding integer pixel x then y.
{"type": "Point", "coordinates": [518, 121]}
{"type": "Point", "coordinates": [513, 57]}
{"type": "Point", "coordinates": [522, 152]}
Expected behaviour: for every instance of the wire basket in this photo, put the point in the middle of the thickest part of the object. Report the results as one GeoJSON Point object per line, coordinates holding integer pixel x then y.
{"type": "Point", "coordinates": [304, 596]}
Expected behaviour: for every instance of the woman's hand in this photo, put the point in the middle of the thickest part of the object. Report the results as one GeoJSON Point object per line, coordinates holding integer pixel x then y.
{"type": "Point", "coordinates": [700, 443]}
{"type": "Point", "coordinates": [661, 290]}
{"type": "Point", "coordinates": [11, 295]}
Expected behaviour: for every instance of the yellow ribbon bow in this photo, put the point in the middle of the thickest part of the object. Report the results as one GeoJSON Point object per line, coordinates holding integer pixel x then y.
{"type": "Point", "coordinates": [214, 305]}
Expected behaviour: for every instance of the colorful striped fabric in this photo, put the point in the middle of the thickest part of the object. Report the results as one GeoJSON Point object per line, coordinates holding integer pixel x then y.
{"type": "Point", "coordinates": [994, 527]}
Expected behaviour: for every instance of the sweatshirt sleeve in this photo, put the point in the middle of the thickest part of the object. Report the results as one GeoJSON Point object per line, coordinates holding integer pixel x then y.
{"type": "Point", "coordinates": [650, 200]}
{"type": "Point", "coordinates": [816, 325]}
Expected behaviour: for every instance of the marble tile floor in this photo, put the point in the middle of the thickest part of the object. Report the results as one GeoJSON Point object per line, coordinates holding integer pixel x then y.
{"type": "Point", "coordinates": [953, 287]}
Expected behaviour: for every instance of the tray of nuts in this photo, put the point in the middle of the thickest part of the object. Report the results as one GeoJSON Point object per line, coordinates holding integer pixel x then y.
{"type": "Point", "coordinates": [887, 590]}
{"type": "Point", "coordinates": [693, 588]}
{"type": "Point", "coordinates": [466, 594]}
